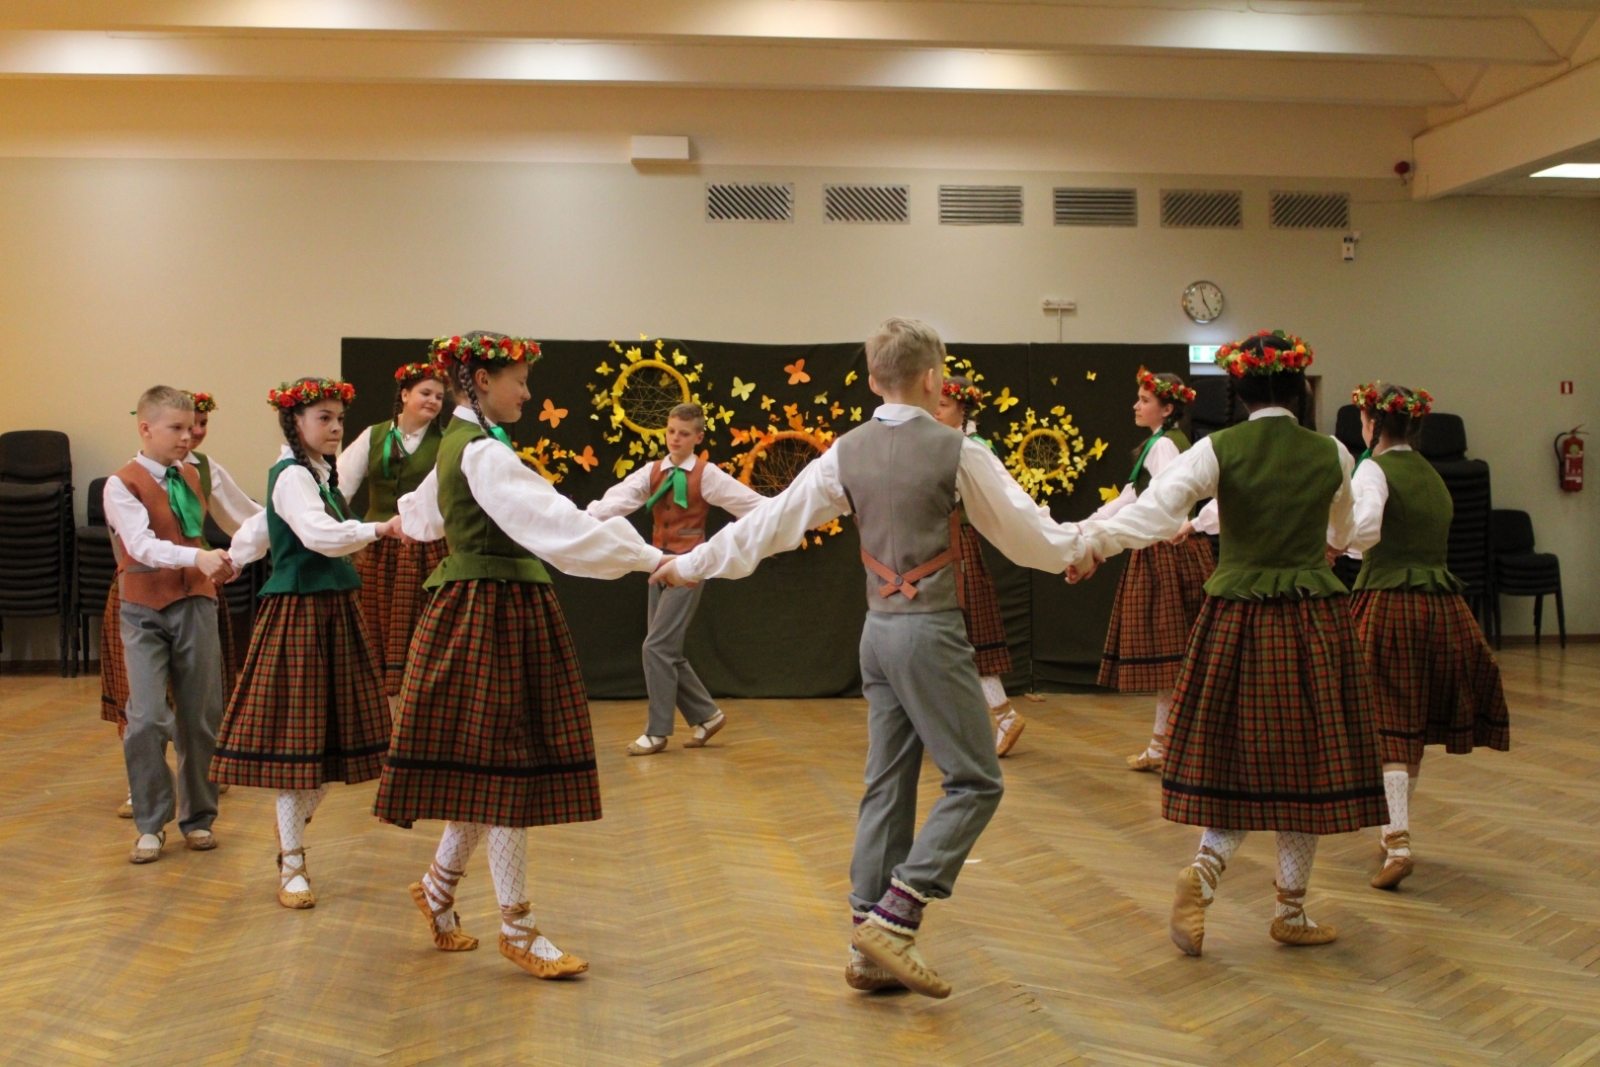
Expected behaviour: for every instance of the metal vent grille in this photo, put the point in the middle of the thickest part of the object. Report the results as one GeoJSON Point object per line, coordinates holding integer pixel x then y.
{"type": "Point", "coordinates": [980, 205]}
{"type": "Point", "coordinates": [866, 203]}
{"type": "Point", "coordinates": [749, 202]}
{"type": "Point", "coordinates": [1097, 207]}
{"type": "Point", "coordinates": [1202, 209]}
{"type": "Point", "coordinates": [1311, 211]}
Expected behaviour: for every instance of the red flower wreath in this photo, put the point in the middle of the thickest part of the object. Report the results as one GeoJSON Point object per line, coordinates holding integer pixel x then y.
{"type": "Point", "coordinates": [301, 394]}
{"type": "Point", "coordinates": [203, 402]}
{"type": "Point", "coordinates": [1166, 392]}
{"type": "Point", "coordinates": [969, 396]}
{"type": "Point", "coordinates": [1294, 354]}
{"type": "Point", "coordinates": [1367, 397]}
{"type": "Point", "coordinates": [454, 351]}
{"type": "Point", "coordinates": [412, 373]}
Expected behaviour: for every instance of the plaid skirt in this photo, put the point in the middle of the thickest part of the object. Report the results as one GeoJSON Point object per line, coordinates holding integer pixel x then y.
{"type": "Point", "coordinates": [493, 725]}
{"type": "Point", "coordinates": [309, 705]}
{"type": "Point", "coordinates": [392, 573]}
{"type": "Point", "coordinates": [1273, 723]}
{"type": "Point", "coordinates": [1158, 599]}
{"type": "Point", "coordinates": [986, 628]}
{"type": "Point", "coordinates": [1436, 681]}
{"type": "Point", "coordinates": [113, 668]}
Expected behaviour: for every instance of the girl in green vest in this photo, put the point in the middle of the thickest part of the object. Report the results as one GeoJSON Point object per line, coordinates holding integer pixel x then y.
{"type": "Point", "coordinates": [1273, 725]}
{"type": "Point", "coordinates": [392, 458]}
{"type": "Point", "coordinates": [959, 403]}
{"type": "Point", "coordinates": [492, 731]}
{"type": "Point", "coordinates": [1437, 681]}
{"type": "Point", "coordinates": [1163, 586]}
{"type": "Point", "coordinates": [309, 707]}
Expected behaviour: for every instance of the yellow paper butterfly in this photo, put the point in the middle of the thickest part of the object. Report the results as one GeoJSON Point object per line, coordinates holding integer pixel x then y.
{"type": "Point", "coordinates": [604, 368]}
{"type": "Point", "coordinates": [1005, 401]}
{"type": "Point", "coordinates": [622, 466]}
{"type": "Point", "coordinates": [766, 402]}
{"type": "Point", "coordinates": [679, 359]}
{"type": "Point", "coordinates": [1099, 448]}
{"type": "Point", "coordinates": [850, 378]}
{"type": "Point", "coordinates": [1054, 380]}
{"type": "Point", "coordinates": [724, 414]}
{"type": "Point", "coordinates": [1108, 495]}
{"type": "Point", "coordinates": [855, 414]}
{"type": "Point", "coordinates": [1091, 376]}
{"type": "Point", "coordinates": [742, 389]}
{"type": "Point", "coordinates": [1059, 410]}
{"type": "Point", "coordinates": [820, 398]}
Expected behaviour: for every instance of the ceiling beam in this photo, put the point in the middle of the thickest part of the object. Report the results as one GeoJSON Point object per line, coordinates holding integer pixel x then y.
{"type": "Point", "coordinates": [1512, 138]}
{"type": "Point", "coordinates": [1320, 32]}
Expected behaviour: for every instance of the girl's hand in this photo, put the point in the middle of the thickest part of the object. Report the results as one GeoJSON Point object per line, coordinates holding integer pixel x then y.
{"type": "Point", "coordinates": [391, 529]}
{"type": "Point", "coordinates": [1184, 533]}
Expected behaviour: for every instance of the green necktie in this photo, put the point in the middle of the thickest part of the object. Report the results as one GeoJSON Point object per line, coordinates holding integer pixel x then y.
{"type": "Point", "coordinates": [1362, 459]}
{"type": "Point", "coordinates": [678, 482]}
{"type": "Point", "coordinates": [1138, 464]}
{"type": "Point", "coordinates": [185, 505]}
{"type": "Point", "coordinates": [335, 508]}
{"type": "Point", "coordinates": [391, 445]}
{"type": "Point", "coordinates": [500, 435]}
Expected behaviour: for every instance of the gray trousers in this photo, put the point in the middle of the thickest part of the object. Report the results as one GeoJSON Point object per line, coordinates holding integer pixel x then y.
{"type": "Point", "coordinates": [179, 643]}
{"type": "Point", "coordinates": [668, 678]}
{"type": "Point", "coordinates": [922, 693]}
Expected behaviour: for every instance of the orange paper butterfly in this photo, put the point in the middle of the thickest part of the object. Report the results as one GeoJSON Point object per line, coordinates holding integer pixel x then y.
{"type": "Point", "coordinates": [797, 372]}
{"type": "Point", "coordinates": [587, 459]}
{"type": "Point", "coordinates": [552, 414]}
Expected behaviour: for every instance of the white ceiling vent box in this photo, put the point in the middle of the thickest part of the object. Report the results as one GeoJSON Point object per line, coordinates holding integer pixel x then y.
{"type": "Point", "coordinates": [1202, 209]}
{"type": "Point", "coordinates": [1311, 211]}
{"type": "Point", "coordinates": [866, 203]}
{"type": "Point", "coordinates": [980, 205]}
{"type": "Point", "coordinates": [660, 150]}
{"type": "Point", "coordinates": [749, 202]}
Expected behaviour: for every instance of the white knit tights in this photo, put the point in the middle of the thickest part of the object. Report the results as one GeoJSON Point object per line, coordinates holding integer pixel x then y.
{"type": "Point", "coordinates": [508, 865]}
{"type": "Point", "coordinates": [295, 807]}
{"type": "Point", "coordinates": [1398, 785]}
{"type": "Point", "coordinates": [1296, 852]}
{"type": "Point", "coordinates": [994, 691]}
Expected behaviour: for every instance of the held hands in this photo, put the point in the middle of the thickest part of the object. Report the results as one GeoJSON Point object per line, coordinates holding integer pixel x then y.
{"type": "Point", "coordinates": [215, 564]}
{"type": "Point", "coordinates": [1085, 568]}
{"type": "Point", "coordinates": [1184, 533]}
{"type": "Point", "coordinates": [666, 573]}
{"type": "Point", "coordinates": [391, 528]}
{"type": "Point", "coordinates": [1333, 555]}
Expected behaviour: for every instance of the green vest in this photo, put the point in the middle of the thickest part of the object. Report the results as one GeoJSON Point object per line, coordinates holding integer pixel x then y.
{"type": "Point", "coordinates": [1276, 483]}
{"type": "Point", "coordinates": [405, 472]}
{"type": "Point", "coordinates": [295, 568]}
{"type": "Point", "coordinates": [1141, 479]}
{"type": "Point", "coordinates": [203, 465]}
{"type": "Point", "coordinates": [1414, 550]}
{"type": "Point", "coordinates": [478, 547]}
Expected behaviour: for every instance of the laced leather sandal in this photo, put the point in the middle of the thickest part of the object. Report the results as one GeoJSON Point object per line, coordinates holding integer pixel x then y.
{"type": "Point", "coordinates": [1287, 933]}
{"type": "Point", "coordinates": [705, 731]}
{"type": "Point", "coordinates": [1396, 869]}
{"type": "Point", "coordinates": [636, 749]}
{"type": "Point", "coordinates": [897, 954]}
{"type": "Point", "coordinates": [861, 973]}
{"type": "Point", "coordinates": [518, 948]}
{"type": "Point", "coordinates": [1188, 923]}
{"type": "Point", "coordinates": [1144, 761]}
{"type": "Point", "coordinates": [456, 940]}
{"type": "Point", "coordinates": [125, 809]}
{"type": "Point", "coordinates": [148, 855]}
{"type": "Point", "coordinates": [300, 899]}
{"type": "Point", "coordinates": [1008, 726]}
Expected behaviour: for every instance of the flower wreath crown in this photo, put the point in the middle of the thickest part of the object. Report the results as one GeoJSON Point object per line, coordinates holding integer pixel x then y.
{"type": "Point", "coordinates": [1164, 391]}
{"type": "Point", "coordinates": [299, 394]}
{"type": "Point", "coordinates": [1367, 397]}
{"type": "Point", "coordinates": [1289, 354]}
{"type": "Point", "coordinates": [455, 351]}
{"type": "Point", "coordinates": [416, 372]}
{"type": "Point", "coordinates": [969, 396]}
{"type": "Point", "coordinates": [203, 402]}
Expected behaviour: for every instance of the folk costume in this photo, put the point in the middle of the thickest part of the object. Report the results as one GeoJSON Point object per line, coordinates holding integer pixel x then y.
{"type": "Point", "coordinates": [1160, 592]}
{"type": "Point", "coordinates": [680, 498]}
{"type": "Point", "coordinates": [1435, 677]}
{"type": "Point", "coordinates": [492, 732]}
{"type": "Point", "coordinates": [308, 709]}
{"type": "Point", "coordinates": [901, 474]}
{"type": "Point", "coordinates": [391, 464]}
{"type": "Point", "coordinates": [167, 619]}
{"type": "Point", "coordinates": [1273, 725]}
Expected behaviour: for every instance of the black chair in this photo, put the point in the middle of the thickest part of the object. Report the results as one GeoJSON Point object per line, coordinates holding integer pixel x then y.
{"type": "Point", "coordinates": [36, 554]}
{"type": "Point", "coordinates": [1520, 571]}
{"type": "Point", "coordinates": [94, 569]}
{"type": "Point", "coordinates": [35, 456]}
{"type": "Point", "coordinates": [1347, 428]}
{"type": "Point", "coordinates": [1444, 444]}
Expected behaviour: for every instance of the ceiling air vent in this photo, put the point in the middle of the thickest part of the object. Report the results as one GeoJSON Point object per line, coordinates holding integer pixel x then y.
{"type": "Point", "coordinates": [1311, 211]}
{"type": "Point", "coordinates": [1097, 207]}
{"type": "Point", "coordinates": [749, 202]}
{"type": "Point", "coordinates": [980, 205]}
{"type": "Point", "coordinates": [866, 203]}
{"type": "Point", "coordinates": [1202, 209]}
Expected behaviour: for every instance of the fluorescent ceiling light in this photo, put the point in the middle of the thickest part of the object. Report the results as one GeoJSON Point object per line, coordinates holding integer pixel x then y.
{"type": "Point", "coordinates": [1571, 170]}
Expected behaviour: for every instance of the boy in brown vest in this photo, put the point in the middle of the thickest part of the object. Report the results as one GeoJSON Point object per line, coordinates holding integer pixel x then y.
{"type": "Point", "coordinates": [168, 582]}
{"type": "Point", "coordinates": [680, 491]}
{"type": "Point", "coordinates": [905, 477]}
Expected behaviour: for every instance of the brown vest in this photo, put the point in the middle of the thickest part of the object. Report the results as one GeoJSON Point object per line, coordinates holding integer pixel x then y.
{"type": "Point", "coordinates": [156, 587]}
{"type": "Point", "coordinates": [678, 529]}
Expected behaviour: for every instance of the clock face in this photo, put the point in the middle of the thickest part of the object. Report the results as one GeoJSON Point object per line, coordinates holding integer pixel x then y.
{"type": "Point", "coordinates": [1202, 301]}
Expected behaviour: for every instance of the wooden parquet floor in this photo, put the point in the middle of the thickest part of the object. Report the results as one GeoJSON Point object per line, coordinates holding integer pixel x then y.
{"type": "Point", "coordinates": [710, 902]}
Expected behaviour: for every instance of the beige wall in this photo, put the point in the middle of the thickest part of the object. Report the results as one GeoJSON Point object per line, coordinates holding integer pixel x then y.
{"type": "Point", "coordinates": [231, 275]}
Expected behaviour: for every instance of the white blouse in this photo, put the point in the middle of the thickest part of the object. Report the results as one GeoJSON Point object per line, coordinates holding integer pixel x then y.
{"type": "Point", "coordinates": [1370, 486]}
{"type": "Point", "coordinates": [358, 453]}
{"type": "Point", "coordinates": [228, 504]}
{"type": "Point", "coordinates": [297, 498]}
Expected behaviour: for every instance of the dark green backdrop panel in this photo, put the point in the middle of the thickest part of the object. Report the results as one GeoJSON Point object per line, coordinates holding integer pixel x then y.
{"type": "Point", "coordinates": [791, 629]}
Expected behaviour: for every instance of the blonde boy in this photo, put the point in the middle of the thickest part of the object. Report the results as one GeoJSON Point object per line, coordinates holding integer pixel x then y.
{"type": "Point", "coordinates": [168, 583]}
{"type": "Point", "coordinates": [903, 475]}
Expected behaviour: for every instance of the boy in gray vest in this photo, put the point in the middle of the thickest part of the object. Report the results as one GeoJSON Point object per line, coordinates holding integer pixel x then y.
{"type": "Point", "coordinates": [903, 475]}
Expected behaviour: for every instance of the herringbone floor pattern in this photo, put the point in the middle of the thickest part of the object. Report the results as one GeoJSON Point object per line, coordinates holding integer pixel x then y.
{"type": "Point", "coordinates": [710, 902]}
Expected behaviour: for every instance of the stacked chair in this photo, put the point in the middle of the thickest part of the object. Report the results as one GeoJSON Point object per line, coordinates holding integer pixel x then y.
{"type": "Point", "coordinates": [1347, 428]}
{"type": "Point", "coordinates": [1520, 571]}
{"type": "Point", "coordinates": [36, 529]}
{"type": "Point", "coordinates": [1444, 444]}
{"type": "Point", "coordinates": [96, 569]}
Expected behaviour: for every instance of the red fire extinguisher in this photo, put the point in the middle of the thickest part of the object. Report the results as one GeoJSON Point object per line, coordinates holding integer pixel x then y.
{"type": "Point", "coordinates": [1569, 457]}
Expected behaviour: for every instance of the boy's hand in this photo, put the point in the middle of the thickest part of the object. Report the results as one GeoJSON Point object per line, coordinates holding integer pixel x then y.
{"type": "Point", "coordinates": [391, 529]}
{"type": "Point", "coordinates": [667, 573]}
{"type": "Point", "coordinates": [215, 564]}
{"type": "Point", "coordinates": [1077, 572]}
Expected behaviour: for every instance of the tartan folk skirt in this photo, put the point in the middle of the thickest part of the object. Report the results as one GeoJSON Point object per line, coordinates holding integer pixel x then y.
{"type": "Point", "coordinates": [392, 598]}
{"type": "Point", "coordinates": [1435, 679]}
{"type": "Point", "coordinates": [1158, 599]}
{"type": "Point", "coordinates": [986, 627]}
{"type": "Point", "coordinates": [1273, 722]}
{"type": "Point", "coordinates": [493, 725]}
{"type": "Point", "coordinates": [113, 668]}
{"type": "Point", "coordinates": [309, 706]}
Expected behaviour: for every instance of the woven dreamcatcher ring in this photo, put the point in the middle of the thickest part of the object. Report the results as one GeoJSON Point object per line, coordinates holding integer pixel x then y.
{"type": "Point", "coordinates": [645, 393]}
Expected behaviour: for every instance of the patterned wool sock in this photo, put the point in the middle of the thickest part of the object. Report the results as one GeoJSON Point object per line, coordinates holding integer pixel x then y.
{"type": "Point", "coordinates": [295, 806]}
{"type": "Point", "coordinates": [1216, 849]}
{"type": "Point", "coordinates": [900, 910]}
{"type": "Point", "coordinates": [508, 863]}
{"type": "Point", "coordinates": [1296, 853]}
{"type": "Point", "coordinates": [455, 849]}
{"type": "Point", "coordinates": [1396, 789]}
